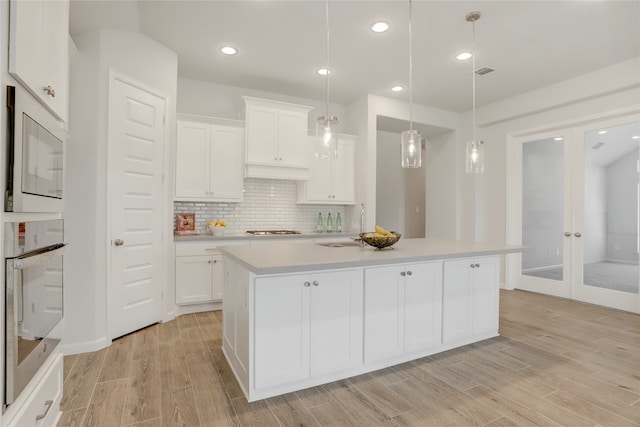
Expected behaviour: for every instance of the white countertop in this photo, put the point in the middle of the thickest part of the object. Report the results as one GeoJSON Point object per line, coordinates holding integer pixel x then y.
{"type": "Point", "coordinates": [245, 236]}
{"type": "Point", "coordinates": [286, 257]}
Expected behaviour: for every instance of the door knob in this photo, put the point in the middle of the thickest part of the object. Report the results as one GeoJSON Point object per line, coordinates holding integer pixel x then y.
{"type": "Point", "coordinates": [402, 273]}
{"type": "Point", "coordinates": [472, 266]}
{"type": "Point", "coordinates": [118, 242]}
{"type": "Point", "coordinates": [578, 234]}
{"type": "Point", "coordinates": [567, 234]}
{"type": "Point", "coordinates": [307, 284]}
{"type": "Point", "coordinates": [409, 273]}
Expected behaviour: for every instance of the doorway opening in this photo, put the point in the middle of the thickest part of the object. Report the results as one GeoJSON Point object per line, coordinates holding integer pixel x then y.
{"type": "Point", "coordinates": [401, 194]}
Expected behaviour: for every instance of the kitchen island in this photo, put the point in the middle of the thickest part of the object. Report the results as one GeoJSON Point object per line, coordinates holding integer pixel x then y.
{"type": "Point", "coordinates": [296, 315]}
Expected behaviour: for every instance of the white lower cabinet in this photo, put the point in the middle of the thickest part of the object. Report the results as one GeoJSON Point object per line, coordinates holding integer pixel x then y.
{"type": "Point", "coordinates": [288, 331]}
{"type": "Point", "coordinates": [470, 298]}
{"type": "Point", "coordinates": [306, 325]}
{"type": "Point", "coordinates": [402, 309]}
{"type": "Point", "coordinates": [42, 407]}
{"type": "Point", "coordinates": [199, 276]}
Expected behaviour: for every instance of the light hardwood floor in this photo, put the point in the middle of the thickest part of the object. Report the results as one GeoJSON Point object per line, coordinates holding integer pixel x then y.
{"type": "Point", "coordinates": [557, 362]}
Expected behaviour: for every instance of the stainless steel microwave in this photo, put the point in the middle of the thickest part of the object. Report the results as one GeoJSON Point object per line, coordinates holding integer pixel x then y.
{"type": "Point", "coordinates": [35, 156]}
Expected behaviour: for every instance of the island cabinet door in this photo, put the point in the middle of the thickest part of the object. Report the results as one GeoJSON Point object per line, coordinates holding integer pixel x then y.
{"type": "Point", "coordinates": [281, 330]}
{"type": "Point", "coordinates": [335, 321]}
{"type": "Point", "coordinates": [422, 306]}
{"type": "Point", "coordinates": [383, 312]}
{"type": "Point", "coordinates": [457, 300]}
{"type": "Point", "coordinates": [486, 295]}
{"type": "Point", "coordinates": [470, 298]}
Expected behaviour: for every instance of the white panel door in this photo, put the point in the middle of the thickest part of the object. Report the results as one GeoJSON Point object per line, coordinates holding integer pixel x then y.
{"type": "Point", "coordinates": [136, 147]}
{"type": "Point", "coordinates": [262, 135]}
{"type": "Point", "coordinates": [383, 312]}
{"type": "Point", "coordinates": [335, 321]}
{"type": "Point", "coordinates": [292, 138]}
{"type": "Point", "coordinates": [194, 279]}
{"type": "Point", "coordinates": [422, 306]}
{"type": "Point", "coordinates": [342, 174]}
{"type": "Point", "coordinates": [318, 187]}
{"type": "Point", "coordinates": [193, 152]}
{"type": "Point", "coordinates": [281, 329]}
{"type": "Point", "coordinates": [226, 159]}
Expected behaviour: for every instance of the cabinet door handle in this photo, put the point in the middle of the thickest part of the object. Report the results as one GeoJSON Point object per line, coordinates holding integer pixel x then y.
{"type": "Point", "coordinates": [472, 266]}
{"type": "Point", "coordinates": [477, 265]}
{"type": "Point", "coordinates": [567, 234]}
{"type": "Point", "coordinates": [307, 284]}
{"type": "Point", "coordinates": [315, 283]}
{"type": "Point", "coordinates": [402, 273]}
{"type": "Point", "coordinates": [215, 261]}
{"type": "Point", "coordinates": [47, 407]}
{"type": "Point", "coordinates": [209, 261]}
{"type": "Point", "coordinates": [118, 242]}
{"type": "Point", "coordinates": [409, 273]}
{"type": "Point", "coordinates": [578, 234]}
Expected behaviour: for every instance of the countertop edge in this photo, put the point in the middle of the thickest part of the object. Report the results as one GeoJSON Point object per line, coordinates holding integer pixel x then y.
{"type": "Point", "coordinates": [363, 263]}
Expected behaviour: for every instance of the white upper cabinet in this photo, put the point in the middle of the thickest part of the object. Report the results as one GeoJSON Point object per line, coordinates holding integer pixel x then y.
{"type": "Point", "coordinates": [208, 162]}
{"type": "Point", "coordinates": [39, 51]}
{"type": "Point", "coordinates": [330, 182]}
{"type": "Point", "coordinates": [276, 135]}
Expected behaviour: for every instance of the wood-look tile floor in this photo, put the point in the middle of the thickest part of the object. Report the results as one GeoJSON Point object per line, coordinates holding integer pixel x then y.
{"type": "Point", "coordinates": [557, 362]}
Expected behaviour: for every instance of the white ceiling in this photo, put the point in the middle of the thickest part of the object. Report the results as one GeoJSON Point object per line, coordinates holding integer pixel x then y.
{"type": "Point", "coordinates": [530, 44]}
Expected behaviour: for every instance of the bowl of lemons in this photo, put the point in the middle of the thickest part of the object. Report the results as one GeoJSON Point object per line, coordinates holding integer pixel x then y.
{"type": "Point", "coordinates": [217, 227]}
{"type": "Point", "coordinates": [381, 238]}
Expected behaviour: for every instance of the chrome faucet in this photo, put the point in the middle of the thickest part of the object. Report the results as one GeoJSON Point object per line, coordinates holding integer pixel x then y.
{"type": "Point", "coordinates": [361, 222]}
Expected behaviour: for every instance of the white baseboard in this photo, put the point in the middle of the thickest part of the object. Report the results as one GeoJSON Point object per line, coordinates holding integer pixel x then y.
{"type": "Point", "coordinates": [197, 308]}
{"type": "Point", "coordinates": [84, 346]}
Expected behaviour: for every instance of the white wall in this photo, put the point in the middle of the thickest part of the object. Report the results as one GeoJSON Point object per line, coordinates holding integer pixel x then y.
{"type": "Point", "coordinates": [142, 59]}
{"type": "Point", "coordinates": [622, 209]}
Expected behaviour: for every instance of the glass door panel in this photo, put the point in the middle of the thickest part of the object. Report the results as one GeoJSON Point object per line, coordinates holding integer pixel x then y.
{"type": "Point", "coordinates": [542, 208]}
{"type": "Point", "coordinates": [609, 193]}
{"type": "Point", "coordinates": [543, 167]}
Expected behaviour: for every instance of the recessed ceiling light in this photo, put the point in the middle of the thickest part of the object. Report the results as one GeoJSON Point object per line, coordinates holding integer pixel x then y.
{"type": "Point", "coordinates": [463, 56]}
{"type": "Point", "coordinates": [558, 138]}
{"type": "Point", "coordinates": [602, 132]}
{"type": "Point", "coordinates": [323, 71]}
{"type": "Point", "coordinates": [397, 88]}
{"type": "Point", "coordinates": [228, 50]}
{"type": "Point", "coordinates": [635, 137]}
{"type": "Point", "coordinates": [379, 27]}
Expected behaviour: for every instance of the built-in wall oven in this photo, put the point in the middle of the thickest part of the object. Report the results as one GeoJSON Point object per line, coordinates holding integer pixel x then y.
{"type": "Point", "coordinates": [33, 299]}
{"type": "Point", "coordinates": [35, 156]}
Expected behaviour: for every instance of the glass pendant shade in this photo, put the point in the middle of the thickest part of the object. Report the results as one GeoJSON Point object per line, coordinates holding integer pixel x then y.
{"type": "Point", "coordinates": [475, 157]}
{"type": "Point", "coordinates": [411, 149]}
{"type": "Point", "coordinates": [327, 143]}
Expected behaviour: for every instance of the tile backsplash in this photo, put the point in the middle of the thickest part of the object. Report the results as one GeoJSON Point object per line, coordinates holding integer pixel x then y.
{"type": "Point", "coordinates": [268, 204]}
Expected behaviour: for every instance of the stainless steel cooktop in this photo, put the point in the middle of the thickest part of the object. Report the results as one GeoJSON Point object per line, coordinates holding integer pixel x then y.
{"type": "Point", "coordinates": [271, 232]}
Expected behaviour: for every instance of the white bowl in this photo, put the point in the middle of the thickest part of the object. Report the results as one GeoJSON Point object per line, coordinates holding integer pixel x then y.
{"type": "Point", "coordinates": [216, 231]}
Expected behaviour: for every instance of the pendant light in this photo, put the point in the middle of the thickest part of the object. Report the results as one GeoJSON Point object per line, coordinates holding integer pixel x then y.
{"type": "Point", "coordinates": [411, 140]}
{"type": "Point", "coordinates": [474, 148]}
{"type": "Point", "coordinates": [327, 126]}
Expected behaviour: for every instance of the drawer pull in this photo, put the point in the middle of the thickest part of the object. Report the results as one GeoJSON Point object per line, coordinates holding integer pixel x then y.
{"type": "Point", "coordinates": [47, 407]}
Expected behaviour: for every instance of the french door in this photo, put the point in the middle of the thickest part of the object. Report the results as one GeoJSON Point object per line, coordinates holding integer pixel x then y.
{"type": "Point", "coordinates": [574, 205]}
